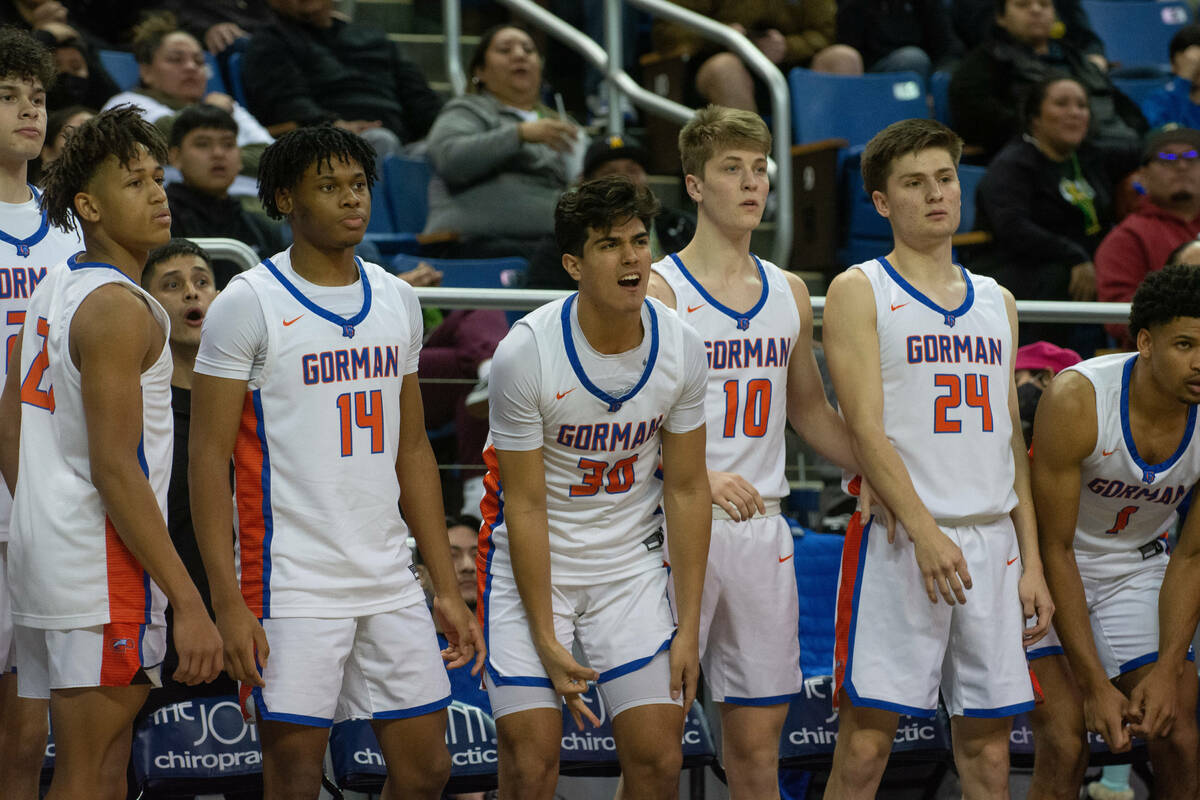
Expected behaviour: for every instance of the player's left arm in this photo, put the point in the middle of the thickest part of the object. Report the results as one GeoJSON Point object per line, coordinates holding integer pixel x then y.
{"type": "Point", "coordinates": [1178, 614]}
{"type": "Point", "coordinates": [688, 506]}
{"type": "Point", "coordinates": [10, 417]}
{"type": "Point", "coordinates": [421, 499]}
{"type": "Point", "coordinates": [808, 409]}
{"type": "Point", "coordinates": [1035, 595]}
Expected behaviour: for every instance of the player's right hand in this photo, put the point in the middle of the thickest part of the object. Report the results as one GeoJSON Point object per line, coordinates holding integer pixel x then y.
{"type": "Point", "coordinates": [246, 647]}
{"type": "Point", "coordinates": [942, 566]}
{"type": "Point", "coordinates": [735, 495]}
{"type": "Point", "coordinates": [570, 679]}
{"type": "Point", "coordinates": [1154, 701]}
{"type": "Point", "coordinates": [198, 644]}
{"type": "Point", "coordinates": [1104, 712]}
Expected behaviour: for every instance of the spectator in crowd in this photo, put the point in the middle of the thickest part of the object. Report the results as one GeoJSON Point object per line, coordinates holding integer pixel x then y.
{"type": "Point", "coordinates": [614, 155]}
{"type": "Point", "coordinates": [179, 276]}
{"type": "Point", "coordinates": [58, 125]}
{"type": "Point", "coordinates": [898, 35]}
{"type": "Point", "coordinates": [501, 157]}
{"type": "Point", "coordinates": [310, 66]}
{"type": "Point", "coordinates": [203, 147]}
{"type": "Point", "coordinates": [82, 79]}
{"type": "Point", "coordinates": [111, 23]}
{"type": "Point", "coordinates": [1035, 366]}
{"type": "Point", "coordinates": [973, 21]}
{"type": "Point", "coordinates": [1047, 199]}
{"type": "Point", "coordinates": [789, 34]}
{"type": "Point", "coordinates": [1187, 253]}
{"type": "Point", "coordinates": [1167, 216]}
{"type": "Point", "coordinates": [987, 88]}
{"type": "Point", "coordinates": [1178, 102]}
{"type": "Point", "coordinates": [221, 23]}
{"type": "Point", "coordinates": [174, 75]}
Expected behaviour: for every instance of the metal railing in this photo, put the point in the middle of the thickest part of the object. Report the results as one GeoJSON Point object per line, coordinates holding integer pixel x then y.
{"type": "Point", "coordinates": [228, 249]}
{"type": "Point", "coordinates": [608, 60]}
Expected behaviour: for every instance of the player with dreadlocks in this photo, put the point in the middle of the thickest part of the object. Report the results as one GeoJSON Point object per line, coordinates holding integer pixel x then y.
{"type": "Point", "coordinates": [85, 420]}
{"type": "Point", "coordinates": [307, 378]}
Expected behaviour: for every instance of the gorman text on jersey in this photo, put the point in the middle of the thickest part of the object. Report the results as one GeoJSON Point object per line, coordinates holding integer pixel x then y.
{"type": "Point", "coordinates": [743, 353]}
{"type": "Point", "coordinates": [607, 436]}
{"type": "Point", "coordinates": [943, 348]}
{"type": "Point", "coordinates": [19, 282]}
{"type": "Point", "coordinates": [350, 364]}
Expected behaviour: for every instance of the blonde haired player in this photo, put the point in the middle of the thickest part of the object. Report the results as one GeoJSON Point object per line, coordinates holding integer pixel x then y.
{"type": "Point", "coordinates": [756, 322]}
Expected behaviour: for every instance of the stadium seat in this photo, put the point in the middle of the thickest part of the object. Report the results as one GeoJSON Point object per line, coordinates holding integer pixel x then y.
{"type": "Point", "coordinates": [237, 87]}
{"type": "Point", "coordinates": [852, 107]}
{"type": "Point", "coordinates": [122, 67]}
{"type": "Point", "coordinates": [939, 88]}
{"type": "Point", "coordinates": [1138, 89]}
{"type": "Point", "coordinates": [406, 184]}
{"type": "Point", "coordinates": [469, 273]}
{"type": "Point", "coordinates": [1137, 33]}
{"type": "Point", "coordinates": [969, 177]}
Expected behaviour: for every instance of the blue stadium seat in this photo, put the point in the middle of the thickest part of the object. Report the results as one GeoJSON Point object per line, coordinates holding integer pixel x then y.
{"type": "Point", "coordinates": [1136, 33]}
{"type": "Point", "coordinates": [237, 87]}
{"type": "Point", "coordinates": [406, 184]}
{"type": "Point", "coordinates": [122, 67]}
{"type": "Point", "coordinates": [939, 88]}
{"type": "Point", "coordinates": [1138, 89]}
{"type": "Point", "coordinates": [852, 107]}
{"type": "Point", "coordinates": [969, 177]}
{"type": "Point", "coordinates": [469, 273]}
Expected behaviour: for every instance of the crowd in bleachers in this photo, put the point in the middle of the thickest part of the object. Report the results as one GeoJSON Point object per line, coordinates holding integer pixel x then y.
{"type": "Point", "coordinates": [1085, 151]}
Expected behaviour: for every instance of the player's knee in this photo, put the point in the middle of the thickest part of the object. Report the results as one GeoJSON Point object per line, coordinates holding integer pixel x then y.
{"type": "Point", "coordinates": [721, 67]}
{"type": "Point", "coordinates": [655, 763]}
{"type": "Point", "coordinates": [987, 762]}
{"type": "Point", "coordinates": [839, 59]}
{"type": "Point", "coordinates": [298, 778]}
{"type": "Point", "coordinates": [750, 757]}
{"type": "Point", "coordinates": [528, 767]}
{"type": "Point", "coordinates": [1063, 749]}
{"type": "Point", "coordinates": [867, 752]}
{"type": "Point", "coordinates": [429, 777]}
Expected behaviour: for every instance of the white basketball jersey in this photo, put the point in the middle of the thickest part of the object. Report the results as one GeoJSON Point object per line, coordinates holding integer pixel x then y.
{"type": "Point", "coordinates": [601, 452]}
{"type": "Point", "coordinates": [748, 355]}
{"type": "Point", "coordinates": [67, 565]}
{"type": "Point", "coordinates": [946, 375]}
{"type": "Point", "coordinates": [31, 247]}
{"type": "Point", "coordinates": [319, 528]}
{"type": "Point", "coordinates": [1124, 502]}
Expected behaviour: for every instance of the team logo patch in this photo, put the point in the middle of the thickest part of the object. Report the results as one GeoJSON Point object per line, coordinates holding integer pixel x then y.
{"type": "Point", "coordinates": [120, 645]}
{"type": "Point", "coordinates": [23, 250]}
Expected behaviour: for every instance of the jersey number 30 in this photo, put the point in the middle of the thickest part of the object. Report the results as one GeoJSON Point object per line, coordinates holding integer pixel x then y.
{"type": "Point", "coordinates": [970, 387]}
{"type": "Point", "coordinates": [616, 478]}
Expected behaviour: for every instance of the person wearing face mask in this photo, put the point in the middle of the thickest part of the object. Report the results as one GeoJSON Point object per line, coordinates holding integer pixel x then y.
{"type": "Point", "coordinates": [501, 157]}
{"type": "Point", "coordinates": [991, 81]}
{"type": "Point", "coordinates": [1047, 199]}
{"type": "Point", "coordinates": [174, 74]}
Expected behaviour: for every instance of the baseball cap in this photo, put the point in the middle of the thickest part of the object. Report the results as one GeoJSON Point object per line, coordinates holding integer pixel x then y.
{"type": "Point", "coordinates": [1043, 355]}
{"type": "Point", "coordinates": [610, 148]}
{"type": "Point", "coordinates": [1171, 134]}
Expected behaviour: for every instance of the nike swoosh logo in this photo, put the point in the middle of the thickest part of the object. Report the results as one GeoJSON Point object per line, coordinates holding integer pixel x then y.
{"type": "Point", "coordinates": [1011, 561]}
{"type": "Point", "coordinates": [696, 308]}
{"type": "Point", "coordinates": [287, 322]}
{"type": "Point", "coordinates": [561, 395]}
{"type": "Point", "coordinates": [902, 305]}
{"type": "Point", "coordinates": [783, 559]}
{"type": "Point", "coordinates": [1107, 452]}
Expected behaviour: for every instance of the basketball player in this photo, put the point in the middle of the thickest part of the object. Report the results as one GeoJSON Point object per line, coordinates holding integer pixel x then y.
{"type": "Point", "coordinates": [307, 378]}
{"type": "Point", "coordinates": [1115, 451]}
{"type": "Point", "coordinates": [582, 394]}
{"type": "Point", "coordinates": [756, 321]}
{"type": "Point", "coordinates": [921, 354]}
{"type": "Point", "coordinates": [28, 246]}
{"type": "Point", "coordinates": [91, 401]}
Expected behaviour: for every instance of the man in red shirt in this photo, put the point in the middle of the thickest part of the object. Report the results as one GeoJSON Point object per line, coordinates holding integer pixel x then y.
{"type": "Point", "coordinates": [1167, 217]}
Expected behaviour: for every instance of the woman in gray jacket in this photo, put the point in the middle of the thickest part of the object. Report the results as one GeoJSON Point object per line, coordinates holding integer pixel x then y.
{"type": "Point", "coordinates": [500, 156]}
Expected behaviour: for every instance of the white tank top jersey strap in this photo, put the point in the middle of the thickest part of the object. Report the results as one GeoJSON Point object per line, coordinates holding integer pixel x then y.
{"type": "Point", "coordinates": [67, 565]}
{"type": "Point", "coordinates": [29, 245]}
{"type": "Point", "coordinates": [319, 530]}
{"type": "Point", "coordinates": [946, 375]}
{"type": "Point", "coordinates": [748, 355]}
{"type": "Point", "coordinates": [1125, 503]}
{"type": "Point", "coordinates": [600, 445]}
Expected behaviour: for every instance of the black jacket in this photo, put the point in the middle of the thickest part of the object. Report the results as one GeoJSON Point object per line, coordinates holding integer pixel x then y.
{"type": "Point", "coordinates": [197, 214]}
{"type": "Point", "coordinates": [877, 27]}
{"type": "Point", "coordinates": [991, 82]}
{"type": "Point", "coordinates": [295, 73]}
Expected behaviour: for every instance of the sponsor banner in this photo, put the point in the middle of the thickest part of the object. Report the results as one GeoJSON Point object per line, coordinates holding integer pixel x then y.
{"type": "Point", "coordinates": [196, 740]}
{"type": "Point", "coordinates": [812, 725]}
{"type": "Point", "coordinates": [597, 744]}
